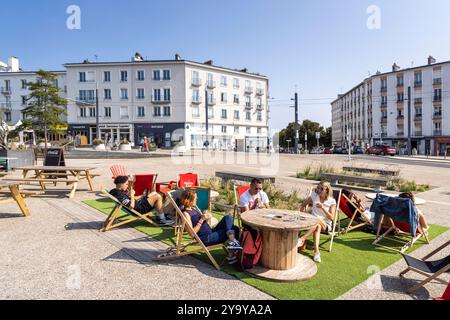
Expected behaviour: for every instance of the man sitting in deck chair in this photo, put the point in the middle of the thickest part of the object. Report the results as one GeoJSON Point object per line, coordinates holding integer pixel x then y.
{"type": "Point", "coordinates": [142, 204]}
{"type": "Point", "coordinates": [254, 198]}
{"type": "Point", "coordinates": [225, 229]}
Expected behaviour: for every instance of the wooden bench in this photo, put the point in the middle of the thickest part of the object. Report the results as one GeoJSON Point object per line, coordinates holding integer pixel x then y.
{"type": "Point", "coordinates": [226, 175]}
{"type": "Point", "coordinates": [335, 178]}
{"type": "Point", "coordinates": [24, 193]}
{"type": "Point", "coordinates": [381, 172]}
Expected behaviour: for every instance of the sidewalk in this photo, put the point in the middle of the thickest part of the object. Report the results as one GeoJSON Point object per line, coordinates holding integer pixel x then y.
{"type": "Point", "coordinates": [425, 158]}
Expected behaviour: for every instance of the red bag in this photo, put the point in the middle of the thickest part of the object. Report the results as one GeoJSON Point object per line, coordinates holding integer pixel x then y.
{"type": "Point", "coordinates": [251, 243]}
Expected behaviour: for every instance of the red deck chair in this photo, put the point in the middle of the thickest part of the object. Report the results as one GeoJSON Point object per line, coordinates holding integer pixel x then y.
{"type": "Point", "coordinates": [142, 182]}
{"type": "Point", "coordinates": [353, 212]}
{"type": "Point", "coordinates": [238, 192]}
{"type": "Point", "coordinates": [187, 180]}
{"type": "Point", "coordinates": [446, 296]}
{"type": "Point", "coordinates": [118, 170]}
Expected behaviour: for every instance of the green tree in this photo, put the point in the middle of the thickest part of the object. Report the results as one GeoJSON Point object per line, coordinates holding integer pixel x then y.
{"type": "Point", "coordinates": [45, 107]}
{"type": "Point", "coordinates": [310, 128]}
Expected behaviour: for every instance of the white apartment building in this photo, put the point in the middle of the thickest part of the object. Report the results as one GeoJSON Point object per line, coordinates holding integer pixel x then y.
{"type": "Point", "coordinates": [376, 110]}
{"type": "Point", "coordinates": [14, 91]}
{"type": "Point", "coordinates": [165, 100]}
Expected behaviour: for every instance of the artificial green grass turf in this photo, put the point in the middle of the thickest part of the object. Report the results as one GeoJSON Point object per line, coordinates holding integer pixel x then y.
{"type": "Point", "coordinates": [342, 269]}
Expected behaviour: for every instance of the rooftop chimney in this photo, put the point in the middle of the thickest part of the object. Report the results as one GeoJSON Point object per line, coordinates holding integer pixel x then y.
{"type": "Point", "coordinates": [13, 64]}
{"type": "Point", "coordinates": [378, 72]}
{"type": "Point", "coordinates": [209, 62]}
{"type": "Point", "coordinates": [395, 67]}
{"type": "Point", "coordinates": [244, 70]}
{"type": "Point", "coordinates": [431, 60]}
{"type": "Point", "coordinates": [177, 57]}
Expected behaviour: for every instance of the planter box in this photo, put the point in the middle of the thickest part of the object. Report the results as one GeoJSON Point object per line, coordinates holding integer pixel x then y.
{"type": "Point", "coordinates": [100, 147]}
{"type": "Point", "coordinates": [125, 147]}
{"type": "Point", "coordinates": [17, 158]}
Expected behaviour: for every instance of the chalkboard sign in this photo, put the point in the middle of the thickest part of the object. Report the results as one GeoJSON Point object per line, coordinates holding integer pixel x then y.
{"type": "Point", "coordinates": [54, 157]}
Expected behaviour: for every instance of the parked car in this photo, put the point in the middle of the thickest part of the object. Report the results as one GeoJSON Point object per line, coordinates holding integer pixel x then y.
{"type": "Point", "coordinates": [337, 150]}
{"type": "Point", "coordinates": [381, 150]}
{"type": "Point", "coordinates": [327, 150]}
{"type": "Point", "coordinates": [344, 151]}
{"type": "Point", "coordinates": [358, 150]}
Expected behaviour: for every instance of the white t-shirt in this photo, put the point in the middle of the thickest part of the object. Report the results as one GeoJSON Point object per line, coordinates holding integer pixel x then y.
{"type": "Point", "coordinates": [326, 206]}
{"type": "Point", "coordinates": [247, 200]}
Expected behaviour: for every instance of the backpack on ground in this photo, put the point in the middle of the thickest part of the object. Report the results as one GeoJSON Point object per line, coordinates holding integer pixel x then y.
{"type": "Point", "coordinates": [251, 243]}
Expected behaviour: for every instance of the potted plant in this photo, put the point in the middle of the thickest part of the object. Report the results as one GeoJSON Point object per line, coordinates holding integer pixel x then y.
{"type": "Point", "coordinates": [98, 145]}
{"type": "Point", "coordinates": [125, 145]}
{"type": "Point", "coordinates": [152, 147]}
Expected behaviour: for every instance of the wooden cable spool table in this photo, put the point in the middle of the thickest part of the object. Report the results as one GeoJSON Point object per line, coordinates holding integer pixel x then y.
{"type": "Point", "coordinates": [280, 229]}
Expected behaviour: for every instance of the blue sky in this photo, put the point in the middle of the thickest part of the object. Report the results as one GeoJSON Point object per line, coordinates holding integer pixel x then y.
{"type": "Point", "coordinates": [322, 47]}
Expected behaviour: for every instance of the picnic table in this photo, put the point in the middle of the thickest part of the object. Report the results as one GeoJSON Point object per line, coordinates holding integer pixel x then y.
{"type": "Point", "coordinates": [280, 229]}
{"type": "Point", "coordinates": [372, 196]}
{"type": "Point", "coordinates": [14, 194]}
{"type": "Point", "coordinates": [54, 174]}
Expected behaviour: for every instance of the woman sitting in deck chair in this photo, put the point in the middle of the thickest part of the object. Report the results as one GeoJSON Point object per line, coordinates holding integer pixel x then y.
{"type": "Point", "coordinates": [225, 229]}
{"type": "Point", "coordinates": [142, 204]}
{"type": "Point", "coordinates": [324, 208]}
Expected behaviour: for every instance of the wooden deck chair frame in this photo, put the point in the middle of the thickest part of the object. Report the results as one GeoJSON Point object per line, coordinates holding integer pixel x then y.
{"type": "Point", "coordinates": [237, 209]}
{"type": "Point", "coordinates": [336, 222]}
{"type": "Point", "coordinates": [110, 222]}
{"type": "Point", "coordinates": [406, 245]}
{"type": "Point", "coordinates": [429, 277]}
{"type": "Point", "coordinates": [180, 248]}
{"type": "Point", "coordinates": [350, 226]}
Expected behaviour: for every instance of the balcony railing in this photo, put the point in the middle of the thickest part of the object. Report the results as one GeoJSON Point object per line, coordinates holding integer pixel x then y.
{"type": "Point", "coordinates": [400, 117]}
{"type": "Point", "coordinates": [437, 116]}
{"type": "Point", "coordinates": [418, 101]}
{"type": "Point", "coordinates": [400, 101]}
{"type": "Point", "coordinates": [196, 82]}
{"type": "Point", "coordinates": [437, 81]}
{"type": "Point", "coordinates": [197, 100]}
{"type": "Point", "coordinates": [85, 101]}
{"type": "Point", "coordinates": [6, 106]}
{"type": "Point", "coordinates": [437, 132]}
{"type": "Point", "coordinates": [248, 90]}
{"type": "Point", "coordinates": [417, 84]}
{"type": "Point", "coordinates": [259, 107]}
{"type": "Point", "coordinates": [161, 99]}
{"type": "Point", "coordinates": [400, 134]}
{"type": "Point", "coordinates": [210, 84]}
{"type": "Point", "coordinates": [6, 90]}
{"type": "Point", "coordinates": [418, 117]}
{"type": "Point", "coordinates": [248, 105]}
{"type": "Point", "coordinates": [384, 135]}
{"type": "Point", "coordinates": [212, 101]}
{"type": "Point", "coordinates": [383, 104]}
{"type": "Point", "coordinates": [400, 84]}
{"type": "Point", "coordinates": [259, 91]}
{"type": "Point", "coordinates": [418, 133]}
{"type": "Point", "coordinates": [437, 98]}
{"type": "Point", "coordinates": [384, 119]}
{"type": "Point", "coordinates": [383, 89]}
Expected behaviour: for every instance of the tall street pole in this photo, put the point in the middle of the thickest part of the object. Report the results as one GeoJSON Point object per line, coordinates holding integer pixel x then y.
{"type": "Point", "coordinates": [296, 123]}
{"type": "Point", "coordinates": [207, 118]}
{"type": "Point", "coordinates": [97, 122]}
{"type": "Point", "coordinates": [409, 120]}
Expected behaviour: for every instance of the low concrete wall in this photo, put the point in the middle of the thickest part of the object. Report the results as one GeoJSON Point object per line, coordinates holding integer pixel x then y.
{"type": "Point", "coordinates": [18, 158]}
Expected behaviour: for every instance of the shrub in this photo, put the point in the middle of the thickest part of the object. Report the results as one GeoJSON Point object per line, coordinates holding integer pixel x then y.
{"type": "Point", "coordinates": [97, 142]}
{"type": "Point", "coordinates": [124, 141]}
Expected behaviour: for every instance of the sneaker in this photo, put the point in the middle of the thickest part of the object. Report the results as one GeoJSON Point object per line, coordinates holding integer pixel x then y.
{"type": "Point", "coordinates": [317, 258]}
{"type": "Point", "coordinates": [165, 221]}
{"type": "Point", "coordinates": [234, 245]}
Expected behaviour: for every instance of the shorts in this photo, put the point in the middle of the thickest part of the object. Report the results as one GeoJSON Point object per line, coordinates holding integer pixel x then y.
{"type": "Point", "coordinates": [142, 206]}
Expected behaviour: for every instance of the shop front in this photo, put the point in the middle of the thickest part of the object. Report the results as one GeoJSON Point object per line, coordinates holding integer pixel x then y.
{"type": "Point", "coordinates": [80, 132]}
{"type": "Point", "coordinates": [256, 144]}
{"type": "Point", "coordinates": [442, 146]}
{"type": "Point", "coordinates": [164, 135]}
{"type": "Point", "coordinates": [113, 133]}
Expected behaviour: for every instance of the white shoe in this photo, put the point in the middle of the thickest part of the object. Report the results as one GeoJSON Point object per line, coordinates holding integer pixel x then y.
{"type": "Point", "coordinates": [317, 258]}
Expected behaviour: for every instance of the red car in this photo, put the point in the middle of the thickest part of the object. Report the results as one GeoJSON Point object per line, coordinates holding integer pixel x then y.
{"type": "Point", "coordinates": [327, 151]}
{"type": "Point", "coordinates": [381, 150]}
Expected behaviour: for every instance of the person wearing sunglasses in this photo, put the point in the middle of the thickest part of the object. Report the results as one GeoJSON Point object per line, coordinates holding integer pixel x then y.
{"type": "Point", "coordinates": [254, 198]}
{"type": "Point", "coordinates": [324, 208]}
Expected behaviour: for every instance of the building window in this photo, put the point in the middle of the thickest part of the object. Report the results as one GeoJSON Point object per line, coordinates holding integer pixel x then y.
{"type": "Point", "coordinates": [248, 102]}
{"type": "Point", "coordinates": [437, 95]}
{"type": "Point", "coordinates": [236, 130]}
{"type": "Point", "coordinates": [8, 116]}
{"type": "Point", "coordinates": [156, 75]}
{"type": "Point", "coordinates": [259, 131]}
{"type": "Point", "coordinates": [87, 95]}
{"type": "Point", "coordinates": [92, 112]}
{"type": "Point", "coordinates": [83, 112]}
{"type": "Point", "coordinates": [400, 97]}
{"type": "Point", "coordinates": [418, 78]}
{"type": "Point", "coordinates": [157, 111]}
{"type": "Point", "coordinates": [167, 112]}
{"type": "Point", "coordinates": [107, 76]}
{"type": "Point", "coordinates": [140, 93]}
{"type": "Point", "coordinates": [166, 94]}
{"type": "Point", "coordinates": [236, 115]}
{"type": "Point", "coordinates": [438, 111]}
{"type": "Point", "coordinates": [248, 130]}
{"type": "Point", "coordinates": [223, 97]}
{"type": "Point", "coordinates": [124, 112]}
{"type": "Point", "coordinates": [195, 112]}
{"type": "Point", "coordinates": [140, 75]}
{"type": "Point", "coordinates": [107, 112]}
{"type": "Point", "coordinates": [124, 76]}
{"type": "Point", "coordinates": [141, 112]}
{"type": "Point", "coordinates": [224, 114]}
{"type": "Point", "coordinates": [418, 111]}
{"type": "Point", "coordinates": [210, 113]}
{"type": "Point", "coordinates": [236, 99]}
{"type": "Point", "coordinates": [259, 116]}
{"type": "Point", "coordinates": [248, 116]}
{"type": "Point", "coordinates": [223, 81]}
{"type": "Point", "coordinates": [24, 84]}
{"type": "Point", "coordinates": [166, 75]}
{"type": "Point", "coordinates": [107, 94]}
{"type": "Point", "coordinates": [24, 100]}
{"type": "Point", "coordinates": [156, 94]}
{"type": "Point", "coordinates": [400, 81]}
{"type": "Point", "coordinates": [124, 94]}
{"type": "Point", "coordinates": [236, 83]}
{"type": "Point", "coordinates": [195, 95]}
{"type": "Point", "coordinates": [224, 129]}
{"type": "Point", "coordinates": [82, 76]}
